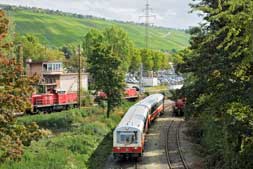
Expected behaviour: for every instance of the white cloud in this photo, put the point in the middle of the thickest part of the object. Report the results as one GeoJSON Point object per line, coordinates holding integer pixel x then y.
{"type": "Point", "coordinates": [172, 13]}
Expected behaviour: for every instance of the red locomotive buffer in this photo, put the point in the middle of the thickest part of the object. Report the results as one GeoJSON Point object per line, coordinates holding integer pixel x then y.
{"type": "Point", "coordinates": [54, 101]}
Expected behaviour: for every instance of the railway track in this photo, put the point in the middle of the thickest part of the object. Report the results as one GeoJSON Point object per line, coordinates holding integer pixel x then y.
{"type": "Point", "coordinates": [146, 162]}
{"type": "Point", "coordinates": [173, 149]}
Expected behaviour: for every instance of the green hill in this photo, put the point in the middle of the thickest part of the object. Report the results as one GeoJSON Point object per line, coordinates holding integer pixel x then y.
{"type": "Point", "coordinates": [56, 30]}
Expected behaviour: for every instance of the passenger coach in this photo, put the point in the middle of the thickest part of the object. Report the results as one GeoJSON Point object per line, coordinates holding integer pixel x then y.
{"type": "Point", "coordinates": [129, 135]}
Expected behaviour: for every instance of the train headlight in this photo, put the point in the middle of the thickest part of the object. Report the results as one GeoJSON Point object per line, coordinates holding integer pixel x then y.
{"type": "Point", "coordinates": [135, 148]}
{"type": "Point", "coordinates": [118, 148]}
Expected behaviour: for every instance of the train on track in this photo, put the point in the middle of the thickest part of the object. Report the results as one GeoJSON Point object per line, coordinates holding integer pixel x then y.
{"type": "Point", "coordinates": [129, 135]}
{"type": "Point", "coordinates": [55, 100]}
{"type": "Point", "coordinates": [128, 93]}
{"type": "Point", "coordinates": [52, 101]}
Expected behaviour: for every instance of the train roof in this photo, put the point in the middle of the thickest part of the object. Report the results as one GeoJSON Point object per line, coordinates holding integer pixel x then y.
{"type": "Point", "coordinates": [135, 117]}
{"type": "Point", "coordinates": [151, 100]}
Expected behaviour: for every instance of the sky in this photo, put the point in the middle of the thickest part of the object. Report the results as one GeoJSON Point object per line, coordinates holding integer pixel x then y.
{"type": "Point", "coordinates": [169, 13]}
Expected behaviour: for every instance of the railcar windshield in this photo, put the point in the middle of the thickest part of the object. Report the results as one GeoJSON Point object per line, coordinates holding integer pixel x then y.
{"type": "Point", "coordinates": [124, 137]}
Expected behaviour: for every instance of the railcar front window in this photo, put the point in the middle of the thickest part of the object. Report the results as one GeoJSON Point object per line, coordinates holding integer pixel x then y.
{"type": "Point", "coordinates": [127, 138]}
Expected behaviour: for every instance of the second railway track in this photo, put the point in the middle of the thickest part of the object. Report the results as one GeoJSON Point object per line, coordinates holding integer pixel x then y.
{"type": "Point", "coordinates": [173, 149]}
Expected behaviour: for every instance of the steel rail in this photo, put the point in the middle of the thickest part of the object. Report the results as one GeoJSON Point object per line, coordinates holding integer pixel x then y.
{"type": "Point", "coordinates": [167, 146]}
{"type": "Point", "coordinates": [178, 144]}
{"type": "Point", "coordinates": [179, 147]}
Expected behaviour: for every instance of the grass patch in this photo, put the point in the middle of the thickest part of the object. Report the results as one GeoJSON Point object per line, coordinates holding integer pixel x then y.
{"type": "Point", "coordinates": [81, 139]}
{"type": "Point", "coordinates": [156, 88]}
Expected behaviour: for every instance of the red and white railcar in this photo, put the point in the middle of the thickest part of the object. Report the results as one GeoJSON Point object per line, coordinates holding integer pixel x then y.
{"type": "Point", "coordinates": [129, 135]}
{"type": "Point", "coordinates": [155, 104]}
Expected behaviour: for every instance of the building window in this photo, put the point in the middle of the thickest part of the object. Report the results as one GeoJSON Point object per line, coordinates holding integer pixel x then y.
{"type": "Point", "coordinates": [54, 67]}
{"type": "Point", "coordinates": [51, 67]}
{"type": "Point", "coordinates": [50, 80]}
{"type": "Point", "coordinates": [57, 67]}
{"type": "Point", "coordinates": [44, 67]}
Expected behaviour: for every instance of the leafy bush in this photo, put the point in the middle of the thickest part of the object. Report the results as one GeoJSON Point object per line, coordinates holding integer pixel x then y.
{"type": "Point", "coordinates": [87, 100]}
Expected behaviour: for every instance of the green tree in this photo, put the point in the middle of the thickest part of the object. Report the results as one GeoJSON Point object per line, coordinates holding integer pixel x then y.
{"type": "Point", "coordinates": [147, 59]}
{"type": "Point", "coordinates": [121, 45]}
{"type": "Point", "coordinates": [135, 61]}
{"type": "Point", "coordinates": [165, 61]}
{"type": "Point", "coordinates": [106, 70]}
{"type": "Point", "coordinates": [15, 90]}
{"type": "Point", "coordinates": [91, 39]}
{"type": "Point", "coordinates": [220, 63]}
{"type": "Point", "coordinates": [106, 53]}
{"type": "Point", "coordinates": [72, 64]}
{"type": "Point", "coordinates": [68, 51]}
{"type": "Point", "coordinates": [53, 55]}
{"type": "Point", "coordinates": [33, 49]}
{"type": "Point", "coordinates": [157, 60]}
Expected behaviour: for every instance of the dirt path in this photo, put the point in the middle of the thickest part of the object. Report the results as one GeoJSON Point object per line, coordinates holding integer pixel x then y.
{"type": "Point", "coordinates": [154, 155]}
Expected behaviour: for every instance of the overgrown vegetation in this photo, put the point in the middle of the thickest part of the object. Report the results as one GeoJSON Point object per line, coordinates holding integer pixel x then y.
{"type": "Point", "coordinates": [220, 91]}
{"type": "Point", "coordinates": [77, 139]}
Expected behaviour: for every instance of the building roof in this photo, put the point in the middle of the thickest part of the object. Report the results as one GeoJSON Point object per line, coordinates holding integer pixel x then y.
{"type": "Point", "coordinates": [41, 62]}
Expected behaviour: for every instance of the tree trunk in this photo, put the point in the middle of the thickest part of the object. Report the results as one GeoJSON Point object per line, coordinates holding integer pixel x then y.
{"type": "Point", "coordinates": [108, 109]}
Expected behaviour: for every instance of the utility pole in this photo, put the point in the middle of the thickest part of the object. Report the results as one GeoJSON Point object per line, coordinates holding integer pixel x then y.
{"type": "Point", "coordinates": [147, 16]}
{"type": "Point", "coordinates": [79, 76]}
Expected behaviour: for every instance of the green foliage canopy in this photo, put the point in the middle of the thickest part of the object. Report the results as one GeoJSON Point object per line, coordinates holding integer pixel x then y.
{"type": "Point", "coordinates": [33, 49]}
{"type": "Point", "coordinates": [220, 63]}
{"type": "Point", "coordinates": [106, 64]}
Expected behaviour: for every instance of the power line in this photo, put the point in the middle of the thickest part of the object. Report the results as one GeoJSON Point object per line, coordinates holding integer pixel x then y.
{"type": "Point", "coordinates": [147, 15]}
{"type": "Point", "coordinates": [147, 10]}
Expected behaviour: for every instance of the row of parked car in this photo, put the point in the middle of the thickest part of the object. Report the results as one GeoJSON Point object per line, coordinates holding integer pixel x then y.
{"type": "Point", "coordinates": [168, 77]}
{"type": "Point", "coordinates": [131, 79]}
{"type": "Point", "coordinates": [171, 80]}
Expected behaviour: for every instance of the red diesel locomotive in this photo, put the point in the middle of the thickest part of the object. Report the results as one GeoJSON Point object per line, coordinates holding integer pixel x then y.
{"type": "Point", "coordinates": [53, 101]}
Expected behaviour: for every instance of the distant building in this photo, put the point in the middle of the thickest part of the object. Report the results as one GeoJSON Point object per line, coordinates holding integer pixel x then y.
{"type": "Point", "coordinates": [53, 76]}
{"type": "Point", "coordinates": [150, 81]}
